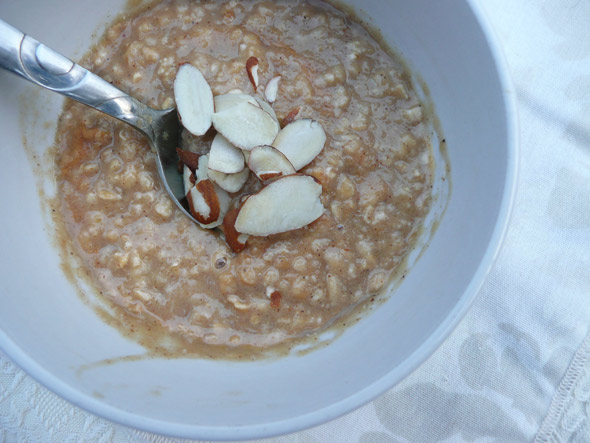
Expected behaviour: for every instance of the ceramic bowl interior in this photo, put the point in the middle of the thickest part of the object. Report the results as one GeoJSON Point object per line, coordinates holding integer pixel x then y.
{"type": "Point", "coordinates": [53, 335]}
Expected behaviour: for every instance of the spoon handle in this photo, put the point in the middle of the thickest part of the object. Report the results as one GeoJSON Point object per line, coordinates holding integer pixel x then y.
{"type": "Point", "coordinates": [26, 57]}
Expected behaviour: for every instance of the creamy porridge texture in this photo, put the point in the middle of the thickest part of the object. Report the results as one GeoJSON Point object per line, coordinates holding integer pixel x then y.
{"type": "Point", "coordinates": [156, 265]}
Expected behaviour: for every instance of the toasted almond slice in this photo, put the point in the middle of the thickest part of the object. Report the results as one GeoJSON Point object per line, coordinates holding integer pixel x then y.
{"type": "Point", "coordinates": [226, 101]}
{"type": "Point", "coordinates": [204, 202]}
{"type": "Point", "coordinates": [268, 162]}
{"type": "Point", "coordinates": [291, 116]}
{"type": "Point", "coordinates": [288, 203]}
{"type": "Point", "coordinates": [225, 157]}
{"type": "Point", "coordinates": [229, 182]}
{"type": "Point", "coordinates": [246, 125]}
{"type": "Point", "coordinates": [194, 99]}
{"type": "Point", "coordinates": [301, 141]}
{"type": "Point", "coordinates": [188, 179]}
{"type": "Point", "coordinates": [189, 158]}
{"type": "Point", "coordinates": [267, 108]}
{"type": "Point", "coordinates": [272, 89]}
{"type": "Point", "coordinates": [235, 91]}
{"type": "Point", "coordinates": [202, 171]}
{"type": "Point", "coordinates": [252, 70]}
{"type": "Point", "coordinates": [235, 240]}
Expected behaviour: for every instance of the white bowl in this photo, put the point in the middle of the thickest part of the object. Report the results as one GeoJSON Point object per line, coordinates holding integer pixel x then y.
{"type": "Point", "coordinates": [53, 335]}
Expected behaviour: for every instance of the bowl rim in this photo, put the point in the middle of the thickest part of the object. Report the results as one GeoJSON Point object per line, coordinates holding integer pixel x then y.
{"type": "Point", "coordinates": [379, 386]}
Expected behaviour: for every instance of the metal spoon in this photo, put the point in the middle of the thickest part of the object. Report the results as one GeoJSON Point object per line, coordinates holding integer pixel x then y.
{"type": "Point", "coordinates": [33, 61]}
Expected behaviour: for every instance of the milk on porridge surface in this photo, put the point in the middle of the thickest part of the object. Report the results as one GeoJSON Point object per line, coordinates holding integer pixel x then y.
{"type": "Point", "coordinates": [376, 171]}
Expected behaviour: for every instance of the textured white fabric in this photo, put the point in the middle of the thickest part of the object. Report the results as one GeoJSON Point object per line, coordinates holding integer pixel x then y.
{"type": "Point", "coordinates": [517, 368]}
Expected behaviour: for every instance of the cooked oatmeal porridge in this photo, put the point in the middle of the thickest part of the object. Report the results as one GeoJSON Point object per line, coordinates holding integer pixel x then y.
{"type": "Point", "coordinates": [151, 261]}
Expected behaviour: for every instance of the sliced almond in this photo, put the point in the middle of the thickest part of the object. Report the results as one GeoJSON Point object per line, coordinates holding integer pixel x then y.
{"type": "Point", "coordinates": [226, 101]}
{"type": "Point", "coordinates": [224, 203]}
{"type": "Point", "coordinates": [301, 141]}
{"type": "Point", "coordinates": [194, 99]}
{"type": "Point", "coordinates": [235, 240]}
{"type": "Point", "coordinates": [268, 162]}
{"type": "Point", "coordinates": [229, 182]}
{"type": "Point", "coordinates": [225, 157]}
{"type": "Point", "coordinates": [288, 203]}
{"type": "Point", "coordinates": [204, 202]}
{"type": "Point", "coordinates": [291, 116]}
{"type": "Point", "coordinates": [189, 158]}
{"type": "Point", "coordinates": [188, 179]}
{"type": "Point", "coordinates": [267, 108]}
{"type": "Point", "coordinates": [246, 125]}
{"type": "Point", "coordinates": [272, 89]}
{"type": "Point", "coordinates": [202, 171]}
{"type": "Point", "coordinates": [252, 70]}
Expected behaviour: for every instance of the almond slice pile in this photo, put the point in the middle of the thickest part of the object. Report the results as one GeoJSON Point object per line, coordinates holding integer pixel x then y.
{"type": "Point", "coordinates": [249, 138]}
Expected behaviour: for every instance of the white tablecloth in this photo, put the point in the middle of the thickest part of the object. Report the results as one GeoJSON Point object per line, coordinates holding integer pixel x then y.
{"type": "Point", "coordinates": [517, 368]}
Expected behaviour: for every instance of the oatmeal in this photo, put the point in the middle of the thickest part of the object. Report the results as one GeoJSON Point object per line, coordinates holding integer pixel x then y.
{"type": "Point", "coordinates": [146, 257]}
